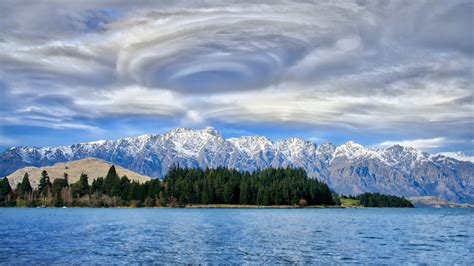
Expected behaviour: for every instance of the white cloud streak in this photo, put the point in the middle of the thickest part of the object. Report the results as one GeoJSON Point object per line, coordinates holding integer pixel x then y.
{"type": "Point", "coordinates": [422, 144]}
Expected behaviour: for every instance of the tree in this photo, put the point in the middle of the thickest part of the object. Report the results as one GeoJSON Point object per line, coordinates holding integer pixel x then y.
{"type": "Point", "coordinates": [244, 192]}
{"type": "Point", "coordinates": [83, 185]}
{"type": "Point", "coordinates": [24, 188]}
{"type": "Point", "coordinates": [65, 180]}
{"type": "Point", "coordinates": [98, 186]}
{"type": "Point", "coordinates": [227, 194]}
{"type": "Point", "coordinates": [183, 186]}
{"type": "Point", "coordinates": [5, 192]}
{"type": "Point", "coordinates": [57, 189]}
{"type": "Point", "coordinates": [112, 182]}
{"type": "Point", "coordinates": [123, 190]}
{"type": "Point", "coordinates": [44, 186]}
{"type": "Point", "coordinates": [380, 200]}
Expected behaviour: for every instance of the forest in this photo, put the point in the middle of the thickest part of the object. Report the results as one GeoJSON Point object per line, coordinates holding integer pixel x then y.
{"type": "Point", "coordinates": [381, 200]}
{"type": "Point", "coordinates": [183, 187]}
{"type": "Point", "coordinates": [376, 200]}
{"type": "Point", "coordinates": [180, 187]}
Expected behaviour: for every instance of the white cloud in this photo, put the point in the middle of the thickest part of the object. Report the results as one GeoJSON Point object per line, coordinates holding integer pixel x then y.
{"type": "Point", "coordinates": [421, 144]}
{"type": "Point", "coordinates": [349, 64]}
{"type": "Point", "coordinates": [7, 141]}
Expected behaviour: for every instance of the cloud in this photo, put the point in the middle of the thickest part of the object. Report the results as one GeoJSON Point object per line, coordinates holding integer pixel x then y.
{"type": "Point", "coordinates": [422, 144]}
{"type": "Point", "coordinates": [389, 67]}
{"type": "Point", "coordinates": [7, 141]}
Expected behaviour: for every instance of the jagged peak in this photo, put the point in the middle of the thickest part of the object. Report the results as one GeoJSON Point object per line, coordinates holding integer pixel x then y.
{"type": "Point", "coordinates": [352, 145]}
{"type": "Point", "coordinates": [459, 155]}
{"type": "Point", "coordinates": [179, 130]}
{"type": "Point", "coordinates": [350, 149]}
{"type": "Point", "coordinates": [296, 140]}
{"type": "Point", "coordinates": [144, 137]}
{"type": "Point", "coordinates": [404, 150]}
{"type": "Point", "coordinates": [212, 131]}
{"type": "Point", "coordinates": [208, 130]}
{"type": "Point", "coordinates": [327, 144]}
{"type": "Point", "coordinates": [256, 138]}
{"type": "Point", "coordinates": [326, 147]}
{"type": "Point", "coordinates": [396, 147]}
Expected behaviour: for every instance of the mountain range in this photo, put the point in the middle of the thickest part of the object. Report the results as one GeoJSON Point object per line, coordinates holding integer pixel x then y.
{"type": "Point", "coordinates": [349, 168]}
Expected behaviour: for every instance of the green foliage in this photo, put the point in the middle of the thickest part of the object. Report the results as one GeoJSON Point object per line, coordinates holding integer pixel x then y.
{"type": "Point", "coordinates": [349, 202]}
{"type": "Point", "coordinates": [24, 188]}
{"type": "Point", "coordinates": [81, 187]}
{"type": "Point", "coordinates": [226, 186]}
{"type": "Point", "coordinates": [380, 200]}
{"type": "Point", "coordinates": [5, 193]}
{"type": "Point", "coordinates": [65, 180]}
{"type": "Point", "coordinates": [44, 186]}
{"type": "Point", "coordinates": [112, 182]}
{"type": "Point", "coordinates": [98, 186]}
{"type": "Point", "coordinates": [5, 188]}
{"type": "Point", "coordinates": [182, 186]}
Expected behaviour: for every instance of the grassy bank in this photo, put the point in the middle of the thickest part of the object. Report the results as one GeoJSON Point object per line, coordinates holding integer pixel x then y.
{"type": "Point", "coordinates": [346, 202]}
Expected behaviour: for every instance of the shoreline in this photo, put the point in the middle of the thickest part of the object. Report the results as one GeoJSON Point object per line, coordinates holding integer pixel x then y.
{"type": "Point", "coordinates": [238, 206]}
{"type": "Point", "coordinates": [203, 206]}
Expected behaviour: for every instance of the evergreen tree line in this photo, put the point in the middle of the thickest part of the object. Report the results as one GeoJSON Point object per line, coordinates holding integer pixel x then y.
{"type": "Point", "coordinates": [288, 186]}
{"type": "Point", "coordinates": [381, 200]}
{"type": "Point", "coordinates": [180, 187]}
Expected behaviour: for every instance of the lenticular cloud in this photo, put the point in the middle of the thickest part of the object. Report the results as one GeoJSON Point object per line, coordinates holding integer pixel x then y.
{"type": "Point", "coordinates": [221, 51]}
{"type": "Point", "coordinates": [382, 66]}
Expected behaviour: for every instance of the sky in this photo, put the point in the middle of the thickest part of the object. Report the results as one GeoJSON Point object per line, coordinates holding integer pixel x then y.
{"type": "Point", "coordinates": [376, 72]}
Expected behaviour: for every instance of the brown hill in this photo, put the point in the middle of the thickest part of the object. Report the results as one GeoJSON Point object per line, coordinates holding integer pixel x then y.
{"type": "Point", "coordinates": [91, 166]}
{"type": "Point", "coordinates": [436, 202]}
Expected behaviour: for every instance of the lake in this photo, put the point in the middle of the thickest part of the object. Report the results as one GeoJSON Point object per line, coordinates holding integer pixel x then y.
{"type": "Point", "coordinates": [390, 236]}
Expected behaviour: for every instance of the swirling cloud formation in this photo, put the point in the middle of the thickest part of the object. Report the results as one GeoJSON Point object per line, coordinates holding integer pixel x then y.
{"type": "Point", "coordinates": [391, 67]}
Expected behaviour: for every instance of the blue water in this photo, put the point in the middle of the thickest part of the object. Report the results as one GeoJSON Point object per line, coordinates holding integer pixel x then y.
{"type": "Point", "coordinates": [389, 236]}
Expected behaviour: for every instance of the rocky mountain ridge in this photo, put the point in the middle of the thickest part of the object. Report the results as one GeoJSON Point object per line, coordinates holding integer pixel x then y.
{"type": "Point", "coordinates": [349, 168]}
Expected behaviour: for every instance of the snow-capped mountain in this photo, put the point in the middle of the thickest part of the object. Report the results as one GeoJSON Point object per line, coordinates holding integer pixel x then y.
{"type": "Point", "coordinates": [350, 168]}
{"type": "Point", "coordinates": [460, 156]}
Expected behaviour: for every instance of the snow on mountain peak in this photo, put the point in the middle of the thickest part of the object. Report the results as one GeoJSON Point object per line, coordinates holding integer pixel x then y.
{"type": "Point", "coordinates": [211, 131]}
{"type": "Point", "coordinates": [97, 142]}
{"type": "Point", "coordinates": [188, 132]}
{"type": "Point", "coordinates": [397, 168]}
{"type": "Point", "coordinates": [460, 156]}
{"type": "Point", "coordinates": [350, 147]}
{"type": "Point", "coordinates": [326, 148]}
{"type": "Point", "coordinates": [353, 151]}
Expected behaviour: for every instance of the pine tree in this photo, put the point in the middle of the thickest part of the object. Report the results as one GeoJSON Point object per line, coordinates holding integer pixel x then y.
{"type": "Point", "coordinates": [65, 180]}
{"type": "Point", "coordinates": [5, 191]}
{"type": "Point", "coordinates": [57, 189]}
{"type": "Point", "coordinates": [83, 185]}
{"type": "Point", "coordinates": [98, 186]}
{"type": "Point", "coordinates": [45, 184]}
{"type": "Point", "coordinates": [24, 188]}
{"type": "Point", "coordinates": [112, 183]}
{"type": "Point", "coordinates": [227, 194]}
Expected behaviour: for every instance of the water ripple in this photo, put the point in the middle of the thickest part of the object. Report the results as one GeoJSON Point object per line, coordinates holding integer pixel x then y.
{"type": "Point", "coordinates": [223, 236]}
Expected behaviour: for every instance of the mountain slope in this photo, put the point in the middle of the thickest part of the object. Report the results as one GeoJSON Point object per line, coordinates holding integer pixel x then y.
{"type": "Point", "coordinates": [350, 168]}
{"type": "Point", "coordinates": [434, 202]}
{"type": "Point", "coordinates": [91, 166]}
